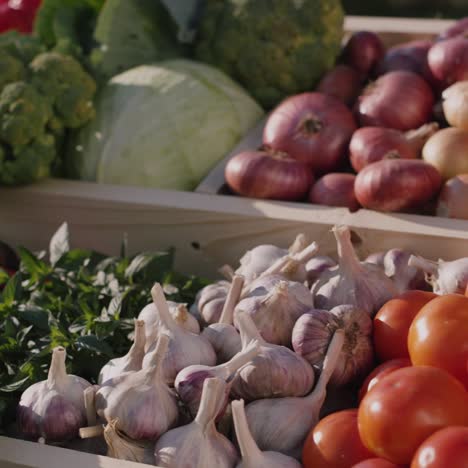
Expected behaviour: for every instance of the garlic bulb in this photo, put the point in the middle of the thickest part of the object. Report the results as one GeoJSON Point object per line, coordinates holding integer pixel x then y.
{"type": "Point", "coordinates": [53, 408]}
{"type": "Point", "coordinates": [143, 404]}
{"type": "Point", "coordinates": [189, 381]}
{"type": "Point", "coordinates": [405, 277]}
{"type": "Point", "coordinates": [131, 361]}
{"type": "Point", "coordinates": [444, 277]}
{"type": "Point", "coordinates": [209, 301]}
{"type": "Point", "coordinates": [275, 310]}
{"type": "Point", "coordinates": [282, 424]}
{"type": "Point", "coordinates": [185, 348]}
{"type": "Point", "coordinates": [150, 315]}
{"type": "Point", "coordinates": [363, 285]}
{"type": "Point", "coordinates": [316, 265]}
{"type": "Point", "coordinates": [275, 372]}
{"type": "Point", "coordinates": [223, 336]}
{"type": "Point", "coordinates": [121, 447]}
{"type": "Point", "coordinates": [376, 258]}
{"type": "Point", "coordinates": [313, 332]}
{"type": "Point", "coordinates": [198, 444]}
{"type": "Point", "coordinates": [252, 457]}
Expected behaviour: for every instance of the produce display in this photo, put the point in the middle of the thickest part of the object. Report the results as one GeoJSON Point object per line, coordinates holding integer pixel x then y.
{"type": "Point", "coordinates": [295, 359]}
{"type": "Point", "coordinates": [385, 129]}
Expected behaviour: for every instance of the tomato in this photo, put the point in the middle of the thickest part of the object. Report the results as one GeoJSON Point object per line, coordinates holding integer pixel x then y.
{"type": "Point", "coordinates": [406, 407]}
{"type": "Point", "coordinates": [18, 15]}
{"type": "Point", "coordinates": [376, 463]}
{"type": "Point", "coordinates": [438, 336]}
{"type": "Point", "coordinates": [380, 372]}
{"type": "Point", "coordinates": [447, 448]}
{"type": "Point", "coordinates": [334, 442]}
{"type": "Point", "coordinates": [392, 322]}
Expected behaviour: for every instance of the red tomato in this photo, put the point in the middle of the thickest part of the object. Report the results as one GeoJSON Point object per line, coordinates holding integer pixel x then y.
{"type": "Point", "coordinates": [376, 463]}
{"type": "Point", "coordinates": [380, 372]}
{"type": "Point", "coordinates": [447, 448]}
{"type": "Point", "coordinates": [438, 336]}
{"type": "Point", "coordinates": [406, 407]}
{"type": "Point", "coordinates": [334, 442]}
{"type": "Point", "coordinates": [18, 15]}
{"type": "Point", "coordinates": [392, 322]}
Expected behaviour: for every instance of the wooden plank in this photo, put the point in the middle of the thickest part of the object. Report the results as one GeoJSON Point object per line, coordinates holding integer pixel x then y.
{"type": "Point", "coordinates": [21, 454]}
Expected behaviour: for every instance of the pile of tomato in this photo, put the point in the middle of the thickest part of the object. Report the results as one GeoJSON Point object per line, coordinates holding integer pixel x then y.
{"type": "Point", "coordinates": [413, 409]}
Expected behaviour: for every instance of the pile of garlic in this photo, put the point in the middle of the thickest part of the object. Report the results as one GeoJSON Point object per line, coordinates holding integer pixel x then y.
{"type": "Point", "coordinates": [220, 385]}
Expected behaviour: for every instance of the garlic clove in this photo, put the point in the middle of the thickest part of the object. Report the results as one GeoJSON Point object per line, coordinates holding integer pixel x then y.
{"type": "Point", "coordinates": [256, 261]}
{"type": "Point", "coordinates": [198, 444]}
{"type": "Point", "coordinates": [404, 276]}
{"type": "Point", "coordinates": [54, 408]}
{"type": "Point", "coordinates": [209, 302]}
{"type": "Point", "coordinates": [184, 349]}
{"type": "Point", "coordinates": [141, 401]}
{"type": "Point", "coordinates": [316, 265]}
{"type": "Point", "coordinates": [132, 361]}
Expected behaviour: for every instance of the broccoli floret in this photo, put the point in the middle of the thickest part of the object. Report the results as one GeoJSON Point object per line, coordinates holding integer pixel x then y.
{"type": "Point", "coordinates": [24, 114]}
{"type": "Point", "coordinates": [273, 48]}
{"type": "Point", "coordinates": [11, 69]}
{"type": "Point", "coordinates": [21, 46]}
{"type": "Point", "coordinates": [68, 87]}
{"type": "Point", "coordinates": [26, 164]}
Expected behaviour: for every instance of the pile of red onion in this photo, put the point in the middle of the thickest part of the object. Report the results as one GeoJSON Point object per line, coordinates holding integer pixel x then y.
{"type": "Point", "coordinates": [373, 133]}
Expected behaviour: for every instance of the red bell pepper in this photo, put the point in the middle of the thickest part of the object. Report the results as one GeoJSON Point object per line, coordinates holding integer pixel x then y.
{"type": "Point", "coordinates": [18, 15]}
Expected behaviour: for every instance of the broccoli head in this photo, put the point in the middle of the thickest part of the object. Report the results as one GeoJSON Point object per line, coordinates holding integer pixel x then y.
{"type": "Point", "coordinates": [29, 163]}
{"type": "Point", "coordinates": [69, 88]}
{"type": "Point", "coordinates": [274, 48]}
{"type": "Point", "coordinates": [21, 46]}
{"type": "Point", "coordinates": [11, 69]}
{"type": "Point", "coordinates": [24, 114]}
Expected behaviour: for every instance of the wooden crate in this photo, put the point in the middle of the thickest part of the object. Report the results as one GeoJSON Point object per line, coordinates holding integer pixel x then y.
{"type": "Point", "coordinates": [206, 229]}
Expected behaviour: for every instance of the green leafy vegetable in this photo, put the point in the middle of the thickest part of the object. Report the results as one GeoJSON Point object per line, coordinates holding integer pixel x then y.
{"type": "Point", "coordinates": [82, 300]}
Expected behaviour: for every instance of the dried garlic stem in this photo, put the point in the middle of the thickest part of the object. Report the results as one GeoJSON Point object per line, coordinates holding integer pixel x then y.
{"type": "Point", "coordinates": [90, 432]}
{"type": "Point", "coordinates": [227, 271]}
{"type": "Point", "coordinates": [89, 395]}
{"type": "Point", "coordinates": [232, 299]}
{"type": "Point", "coordinates": [423, 264]}
{"type": "Point", "coordinates": [248, 447]}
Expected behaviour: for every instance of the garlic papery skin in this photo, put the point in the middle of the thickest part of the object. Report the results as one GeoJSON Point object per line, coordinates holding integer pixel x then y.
{"type": "Point", "coordinates": [317, 265]}
{"type": "Point", "coordinates": [209, 302]}
{"type": "Point", "coordinates": [150, 315]}
{"type": "Point", "coordinates": [256, 261]}
{"type": "Point", "coordinates": [455, 104]}
{"type": "Point", "coordinates": [252, 456]}
{"type": "Point", "coordinates": [405, 277]}
{"type": "Point", "coordinates": [141, 401]}
{"type": "Point", "coordinates": [132, 361]}
{"type": "Point", "coordinates": [185, 348]}
{"type": "Point", "coordinates": [282, 424]}
{"type": "Point", "coordinates": [275, 372]}
{"type": "Point", "coordinates": [444, 277]}
{"type": "Point", "coordinates": [314, 331]}
{"type": "Point", "coordinates": [54, 408]}
{"type": "Point", "coordinates": [189, 381]}
{"type": "Point", "coordinates": [352, 282]}
{"type": "Point", "coordinates": [198, 444]}
{"type": "Point", "coordinates": [275, 311]}
{"type": "Point", "coordinates": [121, 447]}
{"type": "Point", "coordinates": [223, 336]}
{"type": "Point", "coordinates": [376, 258]}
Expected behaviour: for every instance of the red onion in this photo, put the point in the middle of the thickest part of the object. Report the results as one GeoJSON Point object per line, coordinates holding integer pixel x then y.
{"type": "Point", "coordinates": [342, 82]}
{"type": "Point", "coordinates": [335, 189]}
{"type": "Point", "coordinates": [448, 60]}
{"type": "Point", "coordinates": [363, 51]}
{"type": "Point", "coordinates": [371, 144]}
{"type": "Point", "coordinates": [453, 199]}
{"type": "Point", "coordinates": [460, 28]}
{"type": "Point", "coordinates": [411, 56]}
{"type": "Point", "coordinates": [399, 99]}
{"type": "Point", "coordinates": [311, 127]}
{"type": "Point", "coordinates": [396, 184]}
{"type": "Point", "coordinates": [268, 174]}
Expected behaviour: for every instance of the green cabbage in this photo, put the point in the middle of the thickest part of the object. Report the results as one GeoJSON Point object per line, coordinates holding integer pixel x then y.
{"type": "Point", "coordinates": [164, 126]}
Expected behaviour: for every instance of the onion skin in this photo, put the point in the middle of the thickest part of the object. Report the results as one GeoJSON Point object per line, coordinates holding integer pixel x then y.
{"type": "Point", "coordinates": [396, 184]}
{"type": "Point", "coordinates": [400, 99]}
{"type": "Point", "coordinates": [447, 150]}
{"type": "Point", "coordinates": [460, 28]}
{"type": "Point", "coordinates": [313, 128]}
{"type": "Point", "coordinates": [261, 174]}
{"type": "Point", "coordinates": [342, 82]}
{"type": "Point", "coordinates": [335, 189]}
{"type": "Point", "coordinates": [448, 60]}
{"type": "Point", "coordinates": [410, 56]}
{"type": "Point", "coordinates": [371, 144]}
{"type": "Point", "coordinates": [455, 105]}
{"type": "Point", "coordinates": [453, 199]}
{"type": "Point", "coordinates": [363, 51]}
